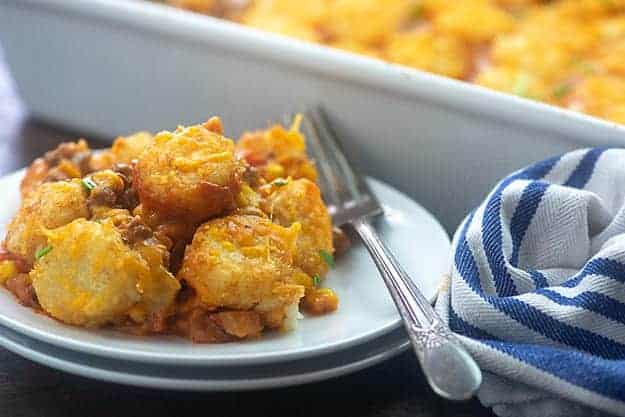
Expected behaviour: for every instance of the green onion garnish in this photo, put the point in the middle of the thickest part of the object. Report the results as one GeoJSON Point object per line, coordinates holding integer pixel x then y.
{"type": "Point", "coordinates": [327, 258]}
{"type": "Point", "coordinates": [43, 251]}
{"type": "Point", "coordinates": [280, 182]}
{"type": "Point", "coordinates": [88, 183]}
{"type": "Point", "coordinates": [316, 280]}
{"type": "Point", "coordinates": [562, 90]}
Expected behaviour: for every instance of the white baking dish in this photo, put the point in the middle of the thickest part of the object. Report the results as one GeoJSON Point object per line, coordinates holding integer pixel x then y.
{"type": "Point", "coordinates": [114, 66]}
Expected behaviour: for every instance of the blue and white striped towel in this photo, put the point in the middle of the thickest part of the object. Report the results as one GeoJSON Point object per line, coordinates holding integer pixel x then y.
{"type": "Point", "coordinates": [537, 287]}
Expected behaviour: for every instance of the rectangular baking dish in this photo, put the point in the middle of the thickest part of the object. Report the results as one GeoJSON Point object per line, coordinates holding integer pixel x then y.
{"type": "Point", "coordinates": [114, 66]}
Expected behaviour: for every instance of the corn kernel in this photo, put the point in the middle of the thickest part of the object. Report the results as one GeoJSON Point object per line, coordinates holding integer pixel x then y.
{"type": "Point", "coordinates": [320, 301]}
{"type": "Point", "coordinates": [274, 171]}
{"type": "Point", "coordinates": [8, 269]}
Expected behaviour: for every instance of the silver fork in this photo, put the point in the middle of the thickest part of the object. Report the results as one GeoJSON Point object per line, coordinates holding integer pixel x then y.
{"type": "Point", "coordinates": [450, 370]}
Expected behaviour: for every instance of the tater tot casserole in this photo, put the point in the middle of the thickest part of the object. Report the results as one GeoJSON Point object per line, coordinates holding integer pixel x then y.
{"type": "Point", "coordinates": [569, 53]}
{"type": "Point", "coordinates": [183, 232]}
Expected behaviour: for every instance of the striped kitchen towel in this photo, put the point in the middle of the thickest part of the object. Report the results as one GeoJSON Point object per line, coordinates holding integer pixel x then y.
{"type": "Point", "coordinates": [536, 288]}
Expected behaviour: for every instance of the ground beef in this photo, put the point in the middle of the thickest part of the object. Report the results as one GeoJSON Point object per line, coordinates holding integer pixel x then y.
{"type": "Point", "coordinates": [252, 176]}
{"type": "Point", "coordinates": [102, 196]}
{"type": "Point", "coordinates": [176, 256]}
{"type": "Point", "coordinates": [135, 231]}
{"type": "Point", "coordinates": [56, 175]}
{"type": "Point", "coordinates": [128, 198]}
{"type": "Point", "coordinates": [67, 160]}
{"type": "Point", "coordinates": [83, 161]}
{"type": "Point", "coordinates": [125, 170]}
{"type": "Point", "coordinates": [22, 288]}
{"type": "Point", "coordinates": [21, 264]}
{"type": "Point", "coordinates": [74, 152]}
{"type": "Point", "coordinates": [340, 241]}
{"type": "Point", "coordinates": [199, 326]}
{"type": "Point", "coordinates": [125, 198]}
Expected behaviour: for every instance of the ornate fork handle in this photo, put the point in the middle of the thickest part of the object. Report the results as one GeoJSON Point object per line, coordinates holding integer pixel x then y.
{"type": "Point", "coordinates": [448, 367]}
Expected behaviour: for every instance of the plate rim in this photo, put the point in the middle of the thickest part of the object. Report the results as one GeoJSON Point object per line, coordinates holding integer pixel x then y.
{"type": "Point", "coordinates": [64, 364]}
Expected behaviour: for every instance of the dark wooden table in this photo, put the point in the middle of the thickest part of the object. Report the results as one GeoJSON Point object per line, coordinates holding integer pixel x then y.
{"type": "Point", "coordinates": [394, 388]}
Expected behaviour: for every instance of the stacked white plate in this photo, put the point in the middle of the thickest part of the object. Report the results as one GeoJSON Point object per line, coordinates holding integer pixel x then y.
{"type": "Point", "coordinates": [364, 331]}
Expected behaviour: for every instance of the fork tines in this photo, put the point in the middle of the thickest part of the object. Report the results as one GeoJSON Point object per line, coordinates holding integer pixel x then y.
{"type": "Point", "coordinates": [344, 189]}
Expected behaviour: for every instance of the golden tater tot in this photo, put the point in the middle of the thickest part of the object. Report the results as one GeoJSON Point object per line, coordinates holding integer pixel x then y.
{"type": "Point", "coordinates": [600, 95]}
{"type": "Point", "coordinates": [545, 54]}
{"type": "Point", "coordinates": [610, 58]}
{"type": "Point", "coordinates": [474, 21]}
{"type": "Point", "coordinates": [244, 262]}
{"type": "Point", "coordinates": [35, 175]}
{"type": "Point", "coordinates": [300, 202]}
{"type": "Point", "coordinates": [68, 160]}
{"type": "Point", "coordinates": [127, 148]}
{"type": "Point", "coordinates": [191, 173]}
{"type": "Point", "coordinates": [51, 205]}
{"type": "Point", "coordinates": [519, 83]}
{"type": "Point", "coordinates": [365, 21]}
{"type": "Point", "coordinates": [441, 54]}
{"type": "Point", "coordinates": [297, 19]}
{"type": "Point", "coordinates": [277, 153]}
{"type": "Point", "coordinates": [90, 277]}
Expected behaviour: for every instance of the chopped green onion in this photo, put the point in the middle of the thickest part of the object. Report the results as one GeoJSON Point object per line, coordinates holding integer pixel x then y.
{"type": "Point", "coordinates": [280, 182]}
{"type": "Point", "coordinates": [327, 258]}
{"type": "Point", "coordinates": [88, 183]}
{"type": "Point", "coordinates": [43, 251]}
{"type": "Point", "coordinates": [562, 90]}
{"type": "Point", "coordinates": [316, 281]}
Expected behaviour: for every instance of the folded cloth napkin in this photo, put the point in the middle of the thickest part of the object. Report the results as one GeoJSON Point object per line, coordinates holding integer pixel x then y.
{"type": "Point", "coordinates": [536, 289]}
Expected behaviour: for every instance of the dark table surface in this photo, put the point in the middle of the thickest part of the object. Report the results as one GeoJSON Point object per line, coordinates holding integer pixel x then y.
{"type": "Point", "coordinates": [394, 388]}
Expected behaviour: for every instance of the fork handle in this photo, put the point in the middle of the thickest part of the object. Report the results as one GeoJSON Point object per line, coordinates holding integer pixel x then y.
{"type": "Point", "coordinates": [448, 367]}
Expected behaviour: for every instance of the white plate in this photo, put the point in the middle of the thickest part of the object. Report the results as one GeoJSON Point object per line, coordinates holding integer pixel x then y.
{"type": "Point", "coordinates": [207, 378]}
{"type": "Point", "coordinates": [366, 310]}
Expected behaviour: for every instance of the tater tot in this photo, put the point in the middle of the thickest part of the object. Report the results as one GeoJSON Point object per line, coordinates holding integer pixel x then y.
{"type": "Point", "coordinates": [36, 174]}
{"type": "Point", "coordinates": [191, 173]}
{"type": "Point", "coordinates": [299, 201]}
{"type": "Point", "coordinates": [365, 21]}
{"type": "Point", "coordinates": [296, 19]}
{"type": "Point", "coordinates": [68, 160]}
{"type": "Point", "coordinates": [438, 53]}
{"type": "Point", "coordinates": [474, 21]}
{"type": "Point", "coordinates": [600, 95]}
{"type": "Point", "coordinates": [127, 148]}
{"type": "Point", "coordinates": [90, 277]}
{"type": "Point", "coordinates": [51, 205]}
{"type": "Point", "coordinates": [244, 262]}
{"type": "Point", "coordinates": [277, 153]}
